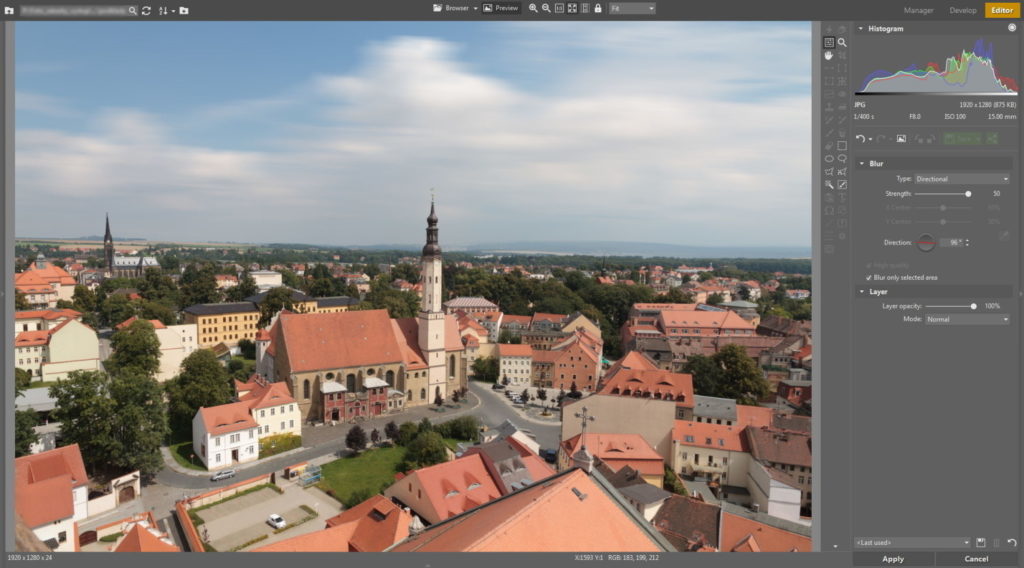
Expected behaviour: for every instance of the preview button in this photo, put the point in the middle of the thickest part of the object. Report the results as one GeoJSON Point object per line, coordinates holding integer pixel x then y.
{"type": "Point", "coordinates": [1002, 9]}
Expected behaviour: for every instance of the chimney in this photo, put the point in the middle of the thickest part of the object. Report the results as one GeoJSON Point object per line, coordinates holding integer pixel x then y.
{"type": "Point", "coordinates": [416, 525]}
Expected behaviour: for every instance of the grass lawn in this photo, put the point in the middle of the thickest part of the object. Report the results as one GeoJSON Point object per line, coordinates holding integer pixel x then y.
{"type": "Point", "coordinates": [369, 471]}
{"type": "Point", "coordinates": [41, 384]}
{"type": "Point", "coordinates": [181, 452]}
{"type": "Point", "coordinates": [453, 444]}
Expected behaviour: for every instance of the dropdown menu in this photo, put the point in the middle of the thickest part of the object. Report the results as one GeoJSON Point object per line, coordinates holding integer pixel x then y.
{"type": "Point", "coordinates": [632, 8]}
{"type": "Point", "coordinates": [967, 319]}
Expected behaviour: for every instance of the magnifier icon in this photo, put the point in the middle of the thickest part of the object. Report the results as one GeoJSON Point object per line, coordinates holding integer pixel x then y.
{"type": "Point", "coordinates": [133, 10]}
{"type": "Point", "coordinates": [533, 7]}
{"type": "Point", "coordinates": [546, 8]}
{"type": "Point", "coordinates": [841, 42]}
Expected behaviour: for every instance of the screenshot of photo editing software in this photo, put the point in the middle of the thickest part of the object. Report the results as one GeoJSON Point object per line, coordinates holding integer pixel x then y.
{"type": "Point", "coordinates": [455, 283]}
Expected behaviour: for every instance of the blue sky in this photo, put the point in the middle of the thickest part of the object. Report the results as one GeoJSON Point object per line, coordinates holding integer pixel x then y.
{"type": "Point", "coordinates": [334, 133]}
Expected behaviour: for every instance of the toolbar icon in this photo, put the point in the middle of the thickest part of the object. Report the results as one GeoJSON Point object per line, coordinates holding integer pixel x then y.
{"type": "Point", "coordinates": [488, 8]}
{"type": "Point", "coordinates": [559, 8]}
{"type": "Point", "coordinates": [828, 42]}
{"type": "Point", "coordinates": [572, 8]}
{"type": "Point", "coordinates": [183, 10]}
{"type": "Point", "coordinates": [8, 10]}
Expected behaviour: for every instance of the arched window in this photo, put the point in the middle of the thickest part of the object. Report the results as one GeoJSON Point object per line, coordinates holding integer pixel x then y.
{"type": "Point", "coordinates": [350, 382]}
{"type": "Point", "coordinates": [451, 365]}
{"type": "Point", "coordinates": [305, 389]}
{"type": "Point", "coordinates": [330, 376]}
{"type": "Point", "coordinates": [410, 394]}
{"type": "Point", "coordinates": [423, 394]}
{"type": "Point", "coordinates": [390, 378]}
{"type": "Point", "coordinates": [369, 372]}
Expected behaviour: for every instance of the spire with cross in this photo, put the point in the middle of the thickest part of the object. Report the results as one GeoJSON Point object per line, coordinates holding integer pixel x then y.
{"type": "Point", "coordinates": [582, 458]}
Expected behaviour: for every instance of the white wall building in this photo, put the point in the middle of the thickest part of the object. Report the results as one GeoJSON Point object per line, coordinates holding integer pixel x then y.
{"type": "Point", "coordinates": [266, 279]}
{"type": "Point", "coordinates": [225, 435]}
{"type": "Point", "coordinates": [52, 351]}
{"type": "Point", "coordinates": [515, 362]}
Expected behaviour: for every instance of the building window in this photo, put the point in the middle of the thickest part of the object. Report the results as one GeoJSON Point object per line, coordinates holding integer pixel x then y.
{"type": "Point", "coordinates": [217, 439]}
{"type": "Point", "coordinates": [282, 425]}
{"type": "Point", "coordinates": [263, 413]}
{"type": "Point", "coordinates": [305, 389]}
{"type": "Point", "coordinates": [423, 394]}
{"type": "Point", "coordinates": [291, 423]}
{"type": "Point", "coordinates": [274, 408]}
{"type": "Point", "coordinates": [62, 536]}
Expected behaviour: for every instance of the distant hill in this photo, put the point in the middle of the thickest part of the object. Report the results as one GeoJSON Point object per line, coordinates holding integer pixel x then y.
{"type": "Point", "coordinates": [615, 248]}
{"type": "Point", "coordinates": [100, 238]}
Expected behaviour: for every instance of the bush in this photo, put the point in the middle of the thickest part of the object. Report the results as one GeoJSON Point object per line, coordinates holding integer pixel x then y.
{"type": "Point", "coordinates": [273, 445]}
{"type": "Point", "coordinates": [461, 428]}
{"type": "Point", "coordinates": [111, 537]}
{"type": "Point", "coordinates": [406, 433]}
{"type": "Point", "coordinates": [357, 497]}
{"type": "Point", "coordinates": [247, 348]}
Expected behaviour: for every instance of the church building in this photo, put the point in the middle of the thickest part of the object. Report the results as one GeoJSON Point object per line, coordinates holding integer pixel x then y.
{"type": "Point", "coordinates": [124, 266]}
{"type": "Point", "coordinates": [364, 363]}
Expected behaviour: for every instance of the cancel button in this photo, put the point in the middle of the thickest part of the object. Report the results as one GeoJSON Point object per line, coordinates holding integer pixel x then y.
{"type": "Point", "coordinates": [976, 559]}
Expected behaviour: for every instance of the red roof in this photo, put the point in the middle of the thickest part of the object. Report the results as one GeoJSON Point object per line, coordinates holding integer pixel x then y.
{"type": "Point", "coordinates": [43, 483]}
{"type": "Point", "coordinates": [456, 486]}
{"type": "Point", "coordinates": [554, 318]}
{"type": "Point", "coordinates": [756, 416]}
{"type": "Point", "coordinates": [618, 451]}
{"type": "Point", "coordinates": [263, 335]}
{"type": "Point", "coordinates": [671, 319]}
{"type": "Point", "coordinates": [632, 360]}
{"type": "Point", "coordinates": [47, 314]}
{"type": "Point", "coordinates": [514, 350]}
{"type": "Point", "coordinates": [740, 534]}
{"type": "Point", "coordinates": [338, 340]}
{"type": "Point", "coordinates": [661, 384]}
{"type": "Point", "coordinates": [226, 418]}
{"type": "Point", "coordinates": [264, 395]}
{"type": "Point", "coordinates": [711, 436]}
{"type": "Point", "coordinates": [370, 526]}
{"type": "Point", "coordinates": [157, 324]}
{"type": "Point", "coordinates": [521, 320]}
{"type": "Point", "coordinates": [50, 274]}
{"type": "Point", "coordinates": [141, 539]}
{"type": "Point", "coordinates": [544, 516]}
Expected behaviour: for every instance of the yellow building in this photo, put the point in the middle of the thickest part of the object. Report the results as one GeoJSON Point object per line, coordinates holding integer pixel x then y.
{"type": "Point", "coordinates": [335, 304]}
{"type": "Point", "coordinates": [225, 323]}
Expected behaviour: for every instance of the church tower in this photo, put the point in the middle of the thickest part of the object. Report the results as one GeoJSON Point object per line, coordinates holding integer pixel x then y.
{"type": "Point", "coordinates": [431, 318]}
{"type": "Point", "coordinates": [108, 248]}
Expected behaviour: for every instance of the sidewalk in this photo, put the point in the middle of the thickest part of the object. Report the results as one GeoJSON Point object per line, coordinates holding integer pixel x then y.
{"type": "Point", "coordinates": [171, 463]}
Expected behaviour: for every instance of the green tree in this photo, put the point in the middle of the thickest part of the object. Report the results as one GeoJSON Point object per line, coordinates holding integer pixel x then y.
{"type": "Point", "coordinates": [203, 381]}
{"type": "Point", "coordinates": [674, 296]}
{"type": "Point", "coordinates": [391, 430]}
{"type": "Point", "coordinates": [375, 436]}
{"type": "Point", "coordinates": [116, 309]}
{"type": "Point", "coordinates": [84, 299]}
{"type": "Point", "coordinates": [20, 301]}
{"type": "Point", "coordinates": [157, 311]}
{"type": "Point", "coordinates": [22, 379]}
{"type": "Point", "coordinates": [136, 350]}
{"type": "Point", "coordinates": [25, 435]}
{"type": "Point", "coordinates": [247, 348]}
{"type": "Point", "coordinates": [715, 299]}
{"type": "Point", "coordinates": [277, 299]}
{"type": "Point", "coordinates": [158, 287]}
{"type": "Point", "coordinates": [425, 426]}
{"type": "Point", "coordinates": [140, 426]}
{"type": "Point", "coordinates": [199, 285]}
{"type": "Point", "coordinates": [730, 373]}
{"type": "Point", "coordinates": [321, 288]}
{"type": "Point", "coordinates": [438, 399]}
{"type": "Point", "coordinates": [672, 483]}
{"type": "Point", "coordinates": [426, 449]}
{"type": "Point", "coordinates": [407, 432]}
{"type": "Point", "coordinates": [355, 440]}
{"type": "Point", "coordinates": [290, 279]}
{"type": "Point", "coordinates": [408, 272]}
{"type": "Point", "coordinates": [86, 414]}
{"type": "Point", "coordinates": [505, 336]}
{"type": "Point", "coordinates": [246, 288]}
{"type": "Point", "coordinates": [485, 369]}
{"type": "Point", "coordinates": [542, 394]}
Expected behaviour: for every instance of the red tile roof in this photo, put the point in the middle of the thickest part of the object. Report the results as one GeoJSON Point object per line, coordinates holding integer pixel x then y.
{"type": "Point", "coordinates": [659, 383]}
{"type": "Point", "coordinates": [618, 451]}
{"type": "Point", "coordinates": [756, 416]}
{"type": "Point", "coordinates": [514, 350]}
{"type": "Point", "coordinates": [456, 486]}
{"type": "Point", "coordinates": [337, 340]}
{"type": "Point", "coordinates": [791, 448]}
{"type": "Point", "coordinates": [265, 395]}
{"type": "Point", "coordinates": [263, 335]}
{"type": "Point", "coordinates": [740, 534]}
{"type": "Point", "coordinates": [545, 516]}
{"type": "Point", "coordinates": [157, 324]}
{"type": "Point", "coordinates": [49, 274]}
{"type": "Point", "coordinates": [226, 418]}
{"type": "Point", "coordinates": [670, 319]}
{"type": "Point", "coordinates": [43, 484]}
{"type": "Point", "coordinates": [554, 318]}
{"type": "Point", "coordinates": [521, 320]}
{"type": "Point", "coordinates": [47, 314]}
{"type": "Point", "coordinates": [698, 434]}
{"type": "Point", "coordinates": [141, 539]}
{"type": "Point", "coordinates": [370, 526]}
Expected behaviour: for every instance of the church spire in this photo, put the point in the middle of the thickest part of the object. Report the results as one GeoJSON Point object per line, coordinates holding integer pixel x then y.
{"type": "Point", "coordinates": [107, 236]}
{"type": "Point", "coordinates": [432, 248]}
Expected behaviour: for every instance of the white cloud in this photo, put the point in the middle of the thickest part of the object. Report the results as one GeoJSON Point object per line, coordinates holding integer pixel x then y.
{"type": "Point", "coordinates": [603, 132]}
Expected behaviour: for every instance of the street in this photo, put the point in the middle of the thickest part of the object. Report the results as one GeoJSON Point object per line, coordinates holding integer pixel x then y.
{"type": "Point", "coordinates": [489, 406]}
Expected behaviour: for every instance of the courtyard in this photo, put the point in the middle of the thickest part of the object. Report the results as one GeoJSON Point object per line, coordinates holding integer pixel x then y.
{"type": "Point", "coordinates": [240, 523]}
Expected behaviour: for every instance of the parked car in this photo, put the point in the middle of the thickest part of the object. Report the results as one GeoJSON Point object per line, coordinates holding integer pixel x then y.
{"type": "Point", "coordinates": [276, 521]}
{"type": "Point", "coordinates": [497, 386]}
{"type": "Point", "coordinates": [516, 399]}
{"type": "Point", "coordinates": [225, 474]}
{"type": "Point", "coordinates": [549, 456]}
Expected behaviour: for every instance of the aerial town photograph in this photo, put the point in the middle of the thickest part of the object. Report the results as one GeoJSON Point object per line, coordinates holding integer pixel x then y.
{"type": "Point", "coordinates": [412, 287]}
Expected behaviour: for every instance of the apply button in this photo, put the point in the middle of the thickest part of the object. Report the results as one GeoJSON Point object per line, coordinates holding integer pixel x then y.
{"type": "Point", "coordinates": [1002, 9]}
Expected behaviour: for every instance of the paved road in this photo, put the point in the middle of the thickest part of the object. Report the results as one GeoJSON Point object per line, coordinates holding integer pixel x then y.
{"type": "Point", "coordinates": [493, 409]}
